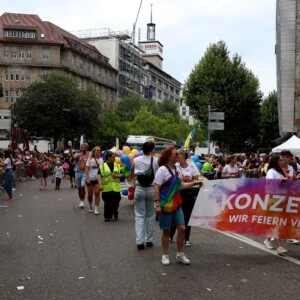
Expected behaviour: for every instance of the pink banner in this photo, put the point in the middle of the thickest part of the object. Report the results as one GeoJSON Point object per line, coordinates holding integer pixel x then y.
{"type": "Point", "coordinates": [259, 207]}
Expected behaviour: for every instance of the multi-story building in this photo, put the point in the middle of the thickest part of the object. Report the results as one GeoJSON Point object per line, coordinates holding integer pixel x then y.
{"type": "Point", "coordinates": [288, 65]}
{"type": "Point", "coordinates": [161, 85]}
{"type": "Point", "coordinates": [123, 55]}
{"type": "Point", "coordinates": [30, 47]}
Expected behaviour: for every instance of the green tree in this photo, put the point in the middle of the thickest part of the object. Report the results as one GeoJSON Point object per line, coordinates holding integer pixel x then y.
{"type": "Point", "coordinates": [228, 86]}
{"type": "Point", "coordinates": [269, 120]}
{"type": "Point", "coordinates": [55, 106]}
{"type": "Point", "coordinates": [110, 128]}
{"type": "Point", "coordinates": [128, 107]}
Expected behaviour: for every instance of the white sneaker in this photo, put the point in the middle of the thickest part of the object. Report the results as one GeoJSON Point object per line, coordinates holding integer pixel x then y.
{"type": "Point", "coordinates": [187, 243]}
{"type": "Point", "coordinates": [91, 210]}
{"type": "Point", "coordinates": [165, 260]}
{"type": "Point", "coordinates": [280, 250]}
{"type": "Point", "coordinates": [81, 204]}
{"type": "Point", "coordinates": [268, 244]}
{"type": "Point", "coordinates": [293, 241]}
{"type": "Point", "coordinates": [96, 212]}
{"type": "Point", "coordinates": [182, 259]}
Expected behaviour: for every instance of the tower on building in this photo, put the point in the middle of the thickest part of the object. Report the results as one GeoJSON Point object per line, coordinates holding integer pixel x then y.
{"type": "Point", "coordinates": [153, 49]}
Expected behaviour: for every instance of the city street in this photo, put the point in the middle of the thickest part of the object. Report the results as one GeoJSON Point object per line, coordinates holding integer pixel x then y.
{"type": "Point", "coordinates": [54, 250]}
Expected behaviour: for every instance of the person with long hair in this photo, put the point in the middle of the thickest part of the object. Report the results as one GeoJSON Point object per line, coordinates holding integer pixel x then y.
{"type": "Point", "coordinates": [188, 172]}
{"type": "Point", "coordinates": [93, 187]}
{"type": "Point", "coordinates": [275, 171]}
{"type": "Point", "coordinates": [167, 198]}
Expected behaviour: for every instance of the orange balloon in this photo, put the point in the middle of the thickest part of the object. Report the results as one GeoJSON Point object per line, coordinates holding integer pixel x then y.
{"type": "Point", "coordinates": [126, 150]}
{"type": "Point", "coordinates": [131, 157]}
{"type": "Point", "coordinates": [134, 151]}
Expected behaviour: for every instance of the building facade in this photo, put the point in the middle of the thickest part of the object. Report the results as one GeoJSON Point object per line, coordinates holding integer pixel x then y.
{"type": "Point", "coordinates": [123, 55]}
{"type": "Point", "coordinates": [288, 65]}
{"type": "Point", "coordinates": [30, 47]}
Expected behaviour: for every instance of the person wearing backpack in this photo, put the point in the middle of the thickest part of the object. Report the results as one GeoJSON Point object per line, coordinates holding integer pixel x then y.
{"type": "Point", "coordinates": [143, 169]}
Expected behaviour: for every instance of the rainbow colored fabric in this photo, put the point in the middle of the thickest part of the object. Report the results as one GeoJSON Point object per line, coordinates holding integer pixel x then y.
{"type": "Point", "coordinates": [170, 198]}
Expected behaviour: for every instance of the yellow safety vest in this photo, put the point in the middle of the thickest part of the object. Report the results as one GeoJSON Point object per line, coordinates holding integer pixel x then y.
{"type": "Point", "coordinates": [110, 184]}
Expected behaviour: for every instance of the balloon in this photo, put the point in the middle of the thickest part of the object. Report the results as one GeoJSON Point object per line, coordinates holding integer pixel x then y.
{"type": "Point", "coordinates": [118, 161]}
{"type": "Point", "coordinates": [126, 150]}
{"type": "Point", "coordinates": [199, 165]}
{"type": "Point", "coordinates": [138, 154]}
{"type": "Point", "coordinates": [130, 193]}
{"type": "Point", "coordinates": [134, 151]}
{"type": "Point", "coordinates": [206, 167]}
{"type": "Point", "coordinates": [124, 192]}
{"type": "Point", "coordinates": [131, 157]}
{"type": "Point", "coordinates": [195, 158]}
{"type": "Point", "coordinates": [128, 166]}
{"type": "Point", "coordinates": [125, 159]}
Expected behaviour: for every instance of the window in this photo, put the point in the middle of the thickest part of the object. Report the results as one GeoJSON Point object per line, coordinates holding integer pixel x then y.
{"type": "Point", "coordinates": [17, 76]}
{"type": "Point", "coordinates": [166, 86]}
{"type": "Point", "coordinates": [22, 74]}
{"type": "Point", "coordinates": [171, 89]}
{"type": "Point", "coordinates": [12, 96]}
{"type": "Point", "coordinates": [6, 73]}
{"type": "Point", "coordinates": [74, 60]}
{"type": "Point", "coordinates": [183, 112]}
{"type": "Point", "coordinates": [46, 53]}
{"type": "Point", "coordinates": [28, 53]}
{"type": "Point", "coordinates": [153, 78]}
{"type": "Point", "coordinates": [177, 92]}
{"type": "Point", "coordinates": [27, 72]}
{"type": "Point", "coordinates": [21, 52]}
{"type": "Point", "coordinates": [13, 52]}
{"type": "Point", "coordinates": [99, 72]}
{"type": "Point", "coordinates": [80, 63]}
{"type": "Point", "coordinates": [93, 69]}
{"type": "Point", "coordinates": [159, 82]}
{"type": "Point", "coordinates": [159, 94]}
{"type": "Point", "coordinates": [20, 34]}
{"type": "Point", "coordinates": [18, 94]}
{"type": "Point", "coordinates": [6, 96]}
{"type": "Point", "coordinates": [45, 72]}
{"type": "Point", "coordinates": [12, 69]}
{"type": "Point", "coordinates": [6, 51]}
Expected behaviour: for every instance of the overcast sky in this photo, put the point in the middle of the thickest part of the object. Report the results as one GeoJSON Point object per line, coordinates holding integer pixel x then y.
{"type": "Point", "coordinates": [184, 27]}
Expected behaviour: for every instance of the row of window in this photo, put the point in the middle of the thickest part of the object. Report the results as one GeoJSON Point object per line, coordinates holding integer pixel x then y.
{"type": "Point", "coordinates": [23, 52]}
{"type": "Point", "coordinates": [20, 34]}
{"type": "Point", "coordinates": [17, 74]}
{"type": "Point", "coordinates": [12, 95]}
{"type": "Point", "coordinates": [90, 67]}
{"type": "Point", "coordinates": [164, 84]}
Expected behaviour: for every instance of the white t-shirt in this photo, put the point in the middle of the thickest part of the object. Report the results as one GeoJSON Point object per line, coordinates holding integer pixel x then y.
{"type": "Point", "coordinates": [7, 162]}
{"type": "Point", "coordinates": [289, 172]}
{"type": "Point", "coordinates": [142, 164]}
{"type": "Point", "coordinates": [228, 170]}
{"type": "Point", "coordinates": [93, 171]}
{"type": "Point", "coordinates": [190, 171]}
{"type": "Point", "coordinates": [163, 175]}
{"type": "Point", "coordinates": [273, 174]}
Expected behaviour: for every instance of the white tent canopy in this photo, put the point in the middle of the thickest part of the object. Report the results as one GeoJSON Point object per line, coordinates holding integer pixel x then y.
{"type": "Point", "coordinates": [292, 144]}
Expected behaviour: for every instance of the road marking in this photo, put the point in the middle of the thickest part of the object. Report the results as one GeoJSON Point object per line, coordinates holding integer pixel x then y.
{"type": "Point", "coordinates": [259, 246]}
{"type": "Point", "coordinates": [3, 206]}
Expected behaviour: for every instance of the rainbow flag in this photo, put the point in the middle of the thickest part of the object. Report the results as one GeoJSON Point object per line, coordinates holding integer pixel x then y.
{"type": "Point", "coordinates": [170, 198]}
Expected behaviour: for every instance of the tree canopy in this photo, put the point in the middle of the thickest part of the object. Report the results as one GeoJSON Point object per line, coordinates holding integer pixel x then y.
{"type": "Point", "coordinates": [55, 107]}
{"type": "Point", "coordinates": [228, 86]}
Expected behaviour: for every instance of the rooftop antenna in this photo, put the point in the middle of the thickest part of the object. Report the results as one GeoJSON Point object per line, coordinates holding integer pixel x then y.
{"type": "Point", "coordinates": [134, 25]}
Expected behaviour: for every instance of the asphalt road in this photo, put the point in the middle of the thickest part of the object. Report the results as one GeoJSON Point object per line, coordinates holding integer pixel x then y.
{"type": "Point", "coordinates": [57, 251]}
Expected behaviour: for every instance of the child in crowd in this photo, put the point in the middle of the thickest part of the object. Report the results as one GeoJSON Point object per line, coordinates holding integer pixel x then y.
{"type": "Point", "coordinates": [58, 172]}
{"type": "Point", "coordinates": [44, 167]}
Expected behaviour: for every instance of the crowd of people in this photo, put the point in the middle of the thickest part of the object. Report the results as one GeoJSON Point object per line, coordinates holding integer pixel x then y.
{"type": "Point", "coordinates": [165, 186]}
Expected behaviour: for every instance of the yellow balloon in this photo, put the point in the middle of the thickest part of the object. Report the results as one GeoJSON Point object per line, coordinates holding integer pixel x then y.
{"type": "Point", "coordinates": [126, 150]}
{"type": "Point", "coordinates": [118, 161]}
{"type": "Point", "coordinates": [134, 151]}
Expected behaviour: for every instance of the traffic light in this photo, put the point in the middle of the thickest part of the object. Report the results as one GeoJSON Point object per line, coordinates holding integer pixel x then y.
{"type": "Point", "coordinates": [1, 90]}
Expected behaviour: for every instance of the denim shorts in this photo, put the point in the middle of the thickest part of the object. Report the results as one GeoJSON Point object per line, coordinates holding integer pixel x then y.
{"type": "Point", "coordinates": [174, 219]}
{"type": "Point", "coordinates": [80, 178]}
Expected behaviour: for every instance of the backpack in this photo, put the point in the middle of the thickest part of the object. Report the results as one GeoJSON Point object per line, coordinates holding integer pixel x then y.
{"type": "Point", "coordinates": [147, 177]}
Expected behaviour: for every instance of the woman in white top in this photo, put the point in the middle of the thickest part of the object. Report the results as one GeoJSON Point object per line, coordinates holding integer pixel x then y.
{"type": "Point", "coordinates": [231, 170]}
{"type": "Point", "coordinates": [92, 167]}
{"type": "Point", "coordinates": [188, 172]}
{"type": "Point", "coordinates": [275, 171]}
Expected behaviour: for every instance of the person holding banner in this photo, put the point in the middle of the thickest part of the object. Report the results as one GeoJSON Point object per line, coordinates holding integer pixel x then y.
{"type": "Point", "coordinates": [167, 198]}
{"type": "Point", "coordinates": [188, 172]}
{"type": "Point", "coordinates": [275, 171]}
{"type": "Point", "coordinates": [231, 170]}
